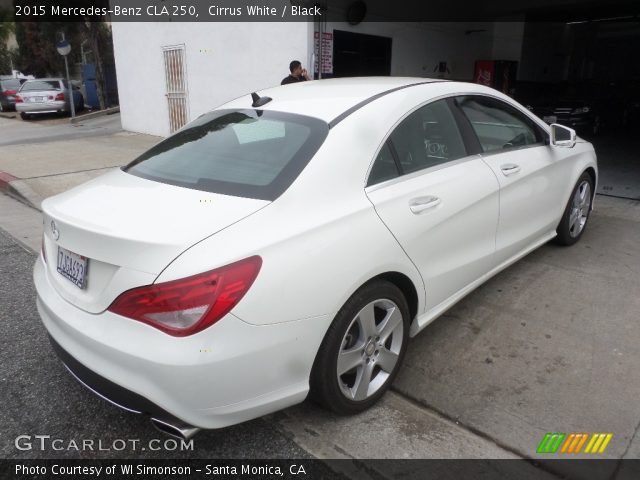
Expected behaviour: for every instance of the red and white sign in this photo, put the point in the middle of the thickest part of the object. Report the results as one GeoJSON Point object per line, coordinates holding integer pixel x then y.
{"type": "Point", "coordinates": [327, 52]}
{"type": "Point", "coordinates": [485, 70]}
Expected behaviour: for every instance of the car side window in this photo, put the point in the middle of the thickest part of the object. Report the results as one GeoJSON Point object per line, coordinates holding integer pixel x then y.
{"type": "Point", "coordinates": [384, 168]}
{"type": "Point", "coordinates": [498, 125]}
{"type": "Point", "coordinates": [427, 137]}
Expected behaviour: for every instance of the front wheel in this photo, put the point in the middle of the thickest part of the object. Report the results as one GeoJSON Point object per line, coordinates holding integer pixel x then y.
{"type": "Point", "coordinates": [576, 214]}
{"type": "Point", "coordinates": [362, 350]}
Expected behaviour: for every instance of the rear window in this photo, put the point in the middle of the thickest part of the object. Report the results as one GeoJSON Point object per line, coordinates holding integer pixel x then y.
{"type": "Point", "coordinates": [9, 84]}
{"type": "Point", "coordinates": [39, 85]}
{"type": "Point", "coordinates": [244, 153]}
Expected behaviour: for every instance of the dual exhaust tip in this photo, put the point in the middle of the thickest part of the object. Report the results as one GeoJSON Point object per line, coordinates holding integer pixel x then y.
{"type": "Point", "coordinates": [175, 428]}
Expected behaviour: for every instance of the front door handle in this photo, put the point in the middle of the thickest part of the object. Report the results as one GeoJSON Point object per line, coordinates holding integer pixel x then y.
{"type": "Point", "coordinates": [420, 204]}
{"type": "Point", "coordinates": [509, 169]}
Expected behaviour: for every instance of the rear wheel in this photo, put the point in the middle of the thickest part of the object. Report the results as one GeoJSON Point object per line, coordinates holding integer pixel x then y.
{"type": "Point", "coordinates": [362, 350]}
{"type": "Point", "coordinates": [576, 214]}
{"type": "Point", "coordinates": [25, 116]}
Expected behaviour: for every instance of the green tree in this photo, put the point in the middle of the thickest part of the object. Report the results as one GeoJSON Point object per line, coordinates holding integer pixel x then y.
{"type": "Point", "coordinates": [37, 46]}
{"type": "Point", "coordinates": [37, 53]}
{"type": "Point", "coordinates": [6, 55]}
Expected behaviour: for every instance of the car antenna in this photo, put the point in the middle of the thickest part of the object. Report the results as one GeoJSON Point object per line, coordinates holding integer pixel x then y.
{"type": "Point", "coordinates": [259, 101]}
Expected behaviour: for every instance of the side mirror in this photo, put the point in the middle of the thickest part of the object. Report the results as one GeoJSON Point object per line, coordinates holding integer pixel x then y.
{"type": "Point", "coordinates": [562, 136]}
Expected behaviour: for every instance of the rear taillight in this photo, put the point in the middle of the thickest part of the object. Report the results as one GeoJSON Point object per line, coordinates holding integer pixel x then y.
{"type": "Point", "coordinates": [18, 99]}
{"type": "Point", "coordinates": [10, 92]}
{"type": "Point", "coordinates": [189, 305]}
{"type": "Point", "coordinates": [59, 97]}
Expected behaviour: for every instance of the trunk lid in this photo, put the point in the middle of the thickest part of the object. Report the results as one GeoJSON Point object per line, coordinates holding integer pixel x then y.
{"type": "Point", "coordinates": [129, 228]}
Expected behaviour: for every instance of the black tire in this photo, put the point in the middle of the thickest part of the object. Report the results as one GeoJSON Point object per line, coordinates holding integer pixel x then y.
{"type": "Point", "coordinates": [324, 383]}
{"type": "Point", "coordinates": [25, 116]}
{"type": "Point", "coordinates": [567, 233]}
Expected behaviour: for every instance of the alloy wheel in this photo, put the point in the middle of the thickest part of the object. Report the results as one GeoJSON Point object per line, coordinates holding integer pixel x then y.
{"type": "Point", "coordinates": [370, 349]}
{"type": "Point", "coordinates": [580, 209]}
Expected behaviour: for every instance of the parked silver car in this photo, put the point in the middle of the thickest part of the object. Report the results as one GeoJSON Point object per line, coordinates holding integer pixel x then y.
{"type": "Point", "coordinates": [46, 95]}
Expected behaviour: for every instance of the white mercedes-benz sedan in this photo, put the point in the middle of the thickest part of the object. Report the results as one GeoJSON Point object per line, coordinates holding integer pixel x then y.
{"type": "Point", "coordinates": [290, 242]}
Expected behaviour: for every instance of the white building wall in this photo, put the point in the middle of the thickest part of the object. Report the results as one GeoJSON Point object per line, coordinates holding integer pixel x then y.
{"type": "Point", "coordinates": [223, 61]}
{"type": "Point", "coordinates": [417, 48]}
{"type": "Point", "coordinates": [226, 60]}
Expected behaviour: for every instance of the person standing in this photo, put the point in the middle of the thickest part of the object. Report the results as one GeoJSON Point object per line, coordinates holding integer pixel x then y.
{"type": "Point", "coordinates": [298, 74]}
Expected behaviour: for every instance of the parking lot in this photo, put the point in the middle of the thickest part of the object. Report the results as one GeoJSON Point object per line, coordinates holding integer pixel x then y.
{"type": "Point", "coordinates": [549, 345]}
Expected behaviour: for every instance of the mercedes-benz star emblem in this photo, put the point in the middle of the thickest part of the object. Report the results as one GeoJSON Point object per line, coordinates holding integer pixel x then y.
{"type": "Point", "coordinates": [54, 230]}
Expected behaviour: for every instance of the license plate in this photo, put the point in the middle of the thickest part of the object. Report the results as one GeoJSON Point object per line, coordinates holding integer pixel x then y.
{"type": "Point", "coordinates": [36, 99]}
{"type": "Point", "coordinates": [550, 119]}
{"type": "Point", "coordinates": [73, 267]}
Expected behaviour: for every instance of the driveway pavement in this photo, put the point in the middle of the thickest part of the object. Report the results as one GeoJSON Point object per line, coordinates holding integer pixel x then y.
{"type": "Point", "coordinates": [619, 165]}
{"type": "Point", "coordinates": [44, 158]}
{"type": "Point", "coordinates": [549, 345]}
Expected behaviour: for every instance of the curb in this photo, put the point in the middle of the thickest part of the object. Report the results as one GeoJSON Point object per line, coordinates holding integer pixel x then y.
{"type": "Point", "coordinates": [18, 189]}
{"type": "Point", "coordinates": [99, 113]}
{"type": "Point", "coordinates": [6, 179]}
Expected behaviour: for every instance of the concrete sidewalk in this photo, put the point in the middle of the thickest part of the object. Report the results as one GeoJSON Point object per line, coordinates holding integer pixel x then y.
{"type": "Point", "coordinates": [50, 159]}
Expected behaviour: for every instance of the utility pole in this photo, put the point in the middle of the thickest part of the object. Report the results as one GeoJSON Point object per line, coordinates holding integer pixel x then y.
{"type": "Point", "coordinates": [64, 48]}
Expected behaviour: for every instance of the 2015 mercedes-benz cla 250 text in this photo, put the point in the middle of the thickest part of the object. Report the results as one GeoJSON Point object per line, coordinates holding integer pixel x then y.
{"type": "Point", "coordinates": [291, 241]}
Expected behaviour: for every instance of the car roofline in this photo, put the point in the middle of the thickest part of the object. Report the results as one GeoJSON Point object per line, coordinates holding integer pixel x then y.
{"type": "Point", "coordinates": [366, 101]}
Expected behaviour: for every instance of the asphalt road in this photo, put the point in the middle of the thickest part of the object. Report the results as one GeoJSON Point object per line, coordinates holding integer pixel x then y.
{"type": "Point", "coordinates": [39, 397]}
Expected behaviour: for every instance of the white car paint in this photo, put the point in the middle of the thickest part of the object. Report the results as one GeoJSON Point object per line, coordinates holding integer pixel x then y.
{"type": "Point", "coordinates": [322, 239]}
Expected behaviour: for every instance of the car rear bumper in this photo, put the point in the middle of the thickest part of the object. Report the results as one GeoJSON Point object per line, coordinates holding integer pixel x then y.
{"type": "Point", "coordinates": [8, 102]}
{"type": "Point", "coordinates": [44, 107]}
{"type": "Point", "coordinates": [110, 391]}
{"type": "Point", "coordinates": [226, 374]}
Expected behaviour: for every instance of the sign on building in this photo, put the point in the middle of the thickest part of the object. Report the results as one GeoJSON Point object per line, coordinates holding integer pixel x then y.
{"type": "Point", "coordinates": [326, 54]}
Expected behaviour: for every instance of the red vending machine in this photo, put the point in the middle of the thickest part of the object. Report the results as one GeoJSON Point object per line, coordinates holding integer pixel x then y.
{"type": "Point", "coordinates": [498, 74]}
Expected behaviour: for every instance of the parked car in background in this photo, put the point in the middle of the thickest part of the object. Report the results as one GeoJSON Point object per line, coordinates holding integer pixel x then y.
{"type": "Point", "coordinates": [8, 90]}
{"type": "Point", "coordinates": [47, 95]}
{"type": "Point", "coordinates": [569, 104]}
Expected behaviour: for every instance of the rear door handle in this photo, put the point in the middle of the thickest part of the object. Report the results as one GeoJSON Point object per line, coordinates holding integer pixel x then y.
{"type": "Point", "coordinates": [509, 169]}
{"type": "Point", "coordinates": [420, 204]}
